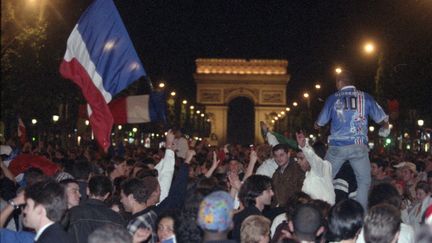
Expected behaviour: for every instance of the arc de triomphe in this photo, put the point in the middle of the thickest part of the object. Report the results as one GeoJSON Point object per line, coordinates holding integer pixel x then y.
{"type": "Point", "coordinates": [256, 85]}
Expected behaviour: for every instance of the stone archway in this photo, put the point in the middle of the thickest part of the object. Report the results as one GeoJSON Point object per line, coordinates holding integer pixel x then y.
{"type": "Point", "coordinates": [222, 81]}
{"type": "Point", "coordinates": [241, 121]}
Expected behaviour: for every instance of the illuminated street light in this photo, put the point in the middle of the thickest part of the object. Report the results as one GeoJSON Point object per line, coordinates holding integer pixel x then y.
{"type": "Point", "coordinates": [295, 103]}
{"type": "Point", "coordinates": [306, 95]}
{"type": "Point", "coordinates": [338, 70]}
{"type": "Point", "coordinates": [279, 115]}
{"type": "Point", "coordinates": [420, 123]}
{"type": "Point", "coordinates": [288, 109]}
{"type": "Point", "coordinates": [317, 86]}
{"type": "Point", "coordinates": [119, 127]}
{"type": "Point", "coordinates": [198, 111]}
{"type": "Point", "coordinates": [192, 107]}
{"type": "Point", "coordinates": [371, 128]}
{"type": "Point", "coordinates": [87, 122]}
{"type": "Point", "coordinates": [173, 93]}
{"type": "Point", "coordinates": [184, 102]}
{"type": "Point", "coordinates": [282, 113]}
{"type": "Point", "coordinates": [55, 118]}
{"type": "Point", "coordinates": [202, 114]}
{"type": "Point", "coordinates": [34, 121]}
{"type": "Point", "coordinates": [369, 48]}
{"type": "Point", "coordinates": [135, 129]}
{"type": "Point", "coordinates": [161, 85]}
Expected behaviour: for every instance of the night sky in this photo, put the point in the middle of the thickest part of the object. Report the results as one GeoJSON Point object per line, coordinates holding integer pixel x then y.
{"type": "Point", "coordinates": [313, 36]}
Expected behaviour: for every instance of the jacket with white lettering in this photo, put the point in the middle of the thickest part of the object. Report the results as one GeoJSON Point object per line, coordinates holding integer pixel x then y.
{"type": "Point", "coordinates": [348, 111]}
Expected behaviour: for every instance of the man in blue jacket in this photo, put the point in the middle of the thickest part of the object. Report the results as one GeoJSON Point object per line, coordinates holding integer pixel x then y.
{"type": "Point", "coordinates": [348, 111]}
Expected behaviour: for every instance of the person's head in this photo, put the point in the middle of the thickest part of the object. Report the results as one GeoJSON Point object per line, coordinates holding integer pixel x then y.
{"type": "Point", "coordinates": [129, 166]}
{"type": "Point", "coordinates": [378, 167]}
{"type": "Point", "coordinates": [423, 190]}
{"type": "Point", "coordinates": [382, 224]}
{"type": "Point", "coordinates": [281, 154]}
{"type": "Point", "coordinates": [306, 223]}
{"type": "Point", "coordinates": [257, 189]}
{"type": "Point", "coordinates": [255, 229]}
{"type": "Point", "coordinates": [384, 193]}
{"type": "Point", "coordinates": [294, 201]}
{"type": "Point", "coordinates": [215, 212]}
{"type": "Point", "coordinates": [110, 233]}
{"type": "Point", "coordinates": [136, 193]}
{"type": "Point", "coordinates": [166, 226]}
{"type": "Point", "coordinates": [264, 151]}
{"type": "Point", "coordinates": [71, 188]}
{"type": "Point", "coordinates": [345, 220]}
{"type": "Point", "coordinates": [302, 161]}
{"type": "Point", "coordinates": [117, 167]}
{"type": "Point", "coordinates": [99, 187]}
{"type": "Point", "coordinates": [407, 171]}
{"type": "Point", "coordinates": [45, 203]}
{"type": "Point", "coordinates": [234, 166]}
{"type": "Point", "coordinates": [344, 79]}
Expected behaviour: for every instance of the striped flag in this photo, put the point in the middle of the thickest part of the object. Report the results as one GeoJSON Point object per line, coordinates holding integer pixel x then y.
{"type": "Point", "coordinates": [101, 60]}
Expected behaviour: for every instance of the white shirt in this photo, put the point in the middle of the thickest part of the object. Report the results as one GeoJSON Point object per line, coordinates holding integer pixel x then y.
{"type": "Point", "coordinates": [406, 235]}
{"type": "Point", "coordinates": [165, 169]}
{"type": "Point", "coordinates": [276, 222]}
{"type": "Point", "coordinates": [41, 230]}
{"type": "Point", "coordinates": [318, 182]}
{"type": "Point", "coordinates": [267, 168]}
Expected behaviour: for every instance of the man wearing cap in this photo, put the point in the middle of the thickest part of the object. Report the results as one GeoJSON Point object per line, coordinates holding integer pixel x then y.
{"type": "Point", "coordinates": [407, 172]}
{"type": "Point", "coordinates": [348, 111]}
{"type": "Point", "coordinates": [215, 217]}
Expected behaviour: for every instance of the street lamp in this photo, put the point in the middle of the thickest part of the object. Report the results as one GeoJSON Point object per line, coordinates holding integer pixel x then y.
{"type": "Point", "coordinates": [87, 122]}
{"type": "Point", "coordinates": [317, 86]}
{"type": "Point", "coordinates": [184, 102]}
{"type": "Point", "coordinates": [173, 93]}
{"type": "Point", "coordinates": [420, 123]}
{"type": "Point", "coordinates": [161, 85]}
{"type": "Point", "coordinates": [288, 109]}
{"type": "Point", "coordinates": [55, 118]}
{"type": "Point", "coordinates": [369, 48]}
{"type": "Point", "coordinates": [371, 128]}
{"type": "Point", "coordinates": [192, 107]}
{"type": "Point", "coordinates": [295, 103]}
{"type": "Point", "coordinates": [306, 95]}
{"type": "Point", "coordinates": [338, 70]}
{"type": "Point", "coordinates": [33, 121]}
{"type": "Point", "coordinates": [134, 129]}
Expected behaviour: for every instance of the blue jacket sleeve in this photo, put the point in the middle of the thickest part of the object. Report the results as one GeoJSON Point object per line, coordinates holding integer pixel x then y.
{"type": "Point", "coordinates": [177, 193]}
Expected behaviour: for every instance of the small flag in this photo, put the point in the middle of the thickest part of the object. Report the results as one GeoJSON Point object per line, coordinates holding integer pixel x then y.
{"type": "Point", "coordinates": [101, 60]}
{"type": "Point", "coordinates": [139, 109]}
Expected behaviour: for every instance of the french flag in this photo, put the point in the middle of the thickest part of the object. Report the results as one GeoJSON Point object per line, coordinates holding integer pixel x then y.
{"type": "Point", "coordinates": [101, 60]}
{"type": "Point", "coordinates": [139, 108]}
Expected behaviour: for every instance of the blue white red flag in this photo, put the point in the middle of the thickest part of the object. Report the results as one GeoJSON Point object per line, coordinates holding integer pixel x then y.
{"type": "Point", "coordinates": [139, 108]}
{"type": "Point", "coordinates": [101, 60]}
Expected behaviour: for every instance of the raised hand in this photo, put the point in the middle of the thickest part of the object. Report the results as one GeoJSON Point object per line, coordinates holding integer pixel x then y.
{"type": "Point", "coordinates": [169, 139]}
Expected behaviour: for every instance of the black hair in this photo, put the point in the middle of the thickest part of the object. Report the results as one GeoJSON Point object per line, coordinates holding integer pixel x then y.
{"type": "Point", "coordinates": [65, 182]}
{"type": "Point", "coordinates": [51, 196]}
{"type": "Point", "coordinates": [294, 201]}
{"type": "Point", "coordinates": [252, 188]}
{"type": "Point", "coordinates": [136, 187]}
{"type": "Point", "coordinates": [307, 220]}
{"type": "Point", "coordinates": [382, 222]}
{"type": "Point", "coordinates": [320, 149]}
{"type": "Point", "coordinates": [384, 193]}
{"type": "Point", "coordinates": [280, 146]}
{"type": "Point", "coordinates": [100, 185]}
{"type": "Point", "coordinates": [380, 163]}
{"type": "Point", "coordinates": [345, 220]}
{"type": "Point", "coordinates": [423, 185]}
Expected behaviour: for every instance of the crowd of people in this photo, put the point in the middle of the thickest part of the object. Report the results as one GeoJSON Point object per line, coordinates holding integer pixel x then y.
{"type": "Point", "coordinates": [189, 191]}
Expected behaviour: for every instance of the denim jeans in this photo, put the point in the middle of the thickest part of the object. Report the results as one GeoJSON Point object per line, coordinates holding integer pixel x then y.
{"type": "Point", "coordinates": [358, 157]}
